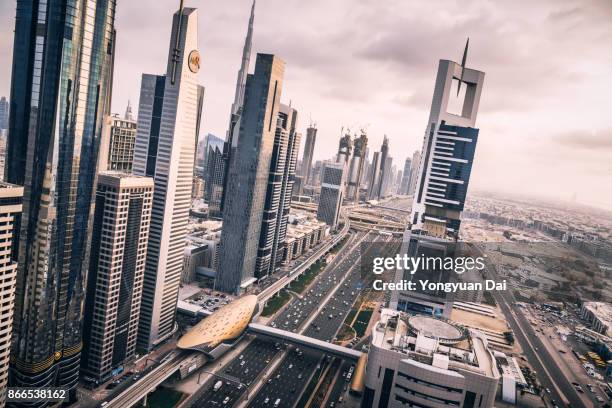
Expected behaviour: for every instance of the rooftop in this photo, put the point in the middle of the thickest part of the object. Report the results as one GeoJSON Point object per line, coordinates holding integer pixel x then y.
{"type": "Point", "coordinates": [602, 310]}
{"type": "Point", "coordinates": [225, 324]}
{"type": "Point", "coordinates": [433, 342]}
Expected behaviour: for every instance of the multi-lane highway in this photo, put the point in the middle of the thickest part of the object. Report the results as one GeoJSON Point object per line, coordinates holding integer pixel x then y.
{"type": "Point", "coordinates": [280, 373]}
{"type": "Point", "coordinates": [346, 284]}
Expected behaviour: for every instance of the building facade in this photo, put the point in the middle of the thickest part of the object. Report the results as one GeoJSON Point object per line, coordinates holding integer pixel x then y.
{"type": "Point", "coordinates": [332, 193]}
{"type": "Point", "coordinates": [57, 113]}
{"type": "Point", "coordinates": [116, 273]}
{"type": "Point", "coordinates": [11, 197]}
{"type": "Point", "coordinates": [247, 182]}
{"type": "Point", "coordinates": [168, 122]}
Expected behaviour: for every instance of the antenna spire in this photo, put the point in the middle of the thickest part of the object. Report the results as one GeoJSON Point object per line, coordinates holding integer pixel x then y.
{"type": "Point", "coordinates": [463, 60]}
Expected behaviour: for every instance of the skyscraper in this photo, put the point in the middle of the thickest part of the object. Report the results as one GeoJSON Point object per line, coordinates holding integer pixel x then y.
{"type": "Point", "coordinates": [387, 175]}
{"type": "Point", "coordinates": [121, 146]}
{"type": "Point", "coordinates": [10, 208]}
{"type": "Point", "coordinates": [115, 278]}
{"type": "Point", "coordinates": [448, 150]}
{"type": "Point", "coordinates": [374, 177]}
{"type": "Point", "coordinates": [273, 216]}
{"type": "Point", "coordinates": [247, 178]}
{"type": "Point", "coordinates": [444, 173]}
{"type": "Point", "coordinates": [414, 171]}
{"type": "Point", "coordinates": [355, 172]}
{"type": "Point", "coordinates": [231, 139]}
{"type": "Point", "coordinates": [213, 177]}
{"type": "Point", "coordinates": [58, 108]}
{"type": "Point", "coordinates": [168, 123]}
{"type": "Point", "coordinates": [289, 177]}
{"type": "Point", "coordinates": [382, 178]}
{"type": "Point", "coordinates": [4, 113]}
{"type": "Point", "coordinates": [332, 193]}
{"type": "Point", "coordinates": [309, 145]}
{"type": "Point", "coordinates": [345, 146]}
{"type": "Point", "coordinates": [405, 182]}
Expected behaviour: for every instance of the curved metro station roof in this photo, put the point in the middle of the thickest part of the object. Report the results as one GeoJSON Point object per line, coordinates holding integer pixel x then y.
{"type": "Point", "coordinates": [225, 324]}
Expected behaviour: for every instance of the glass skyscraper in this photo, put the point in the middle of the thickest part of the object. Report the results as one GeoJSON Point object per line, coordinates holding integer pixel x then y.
{"type": "Point", "coordinates": [280, 185]}
{"type": "Point", "coordinates": [61, 84]}
{"type": "Point", "coordinates": [249, 167]}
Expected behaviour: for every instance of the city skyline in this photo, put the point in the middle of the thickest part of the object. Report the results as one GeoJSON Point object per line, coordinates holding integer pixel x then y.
{"type": "Point", "coordinates": [127, 275]}
{"type": "Point", "coordinates": [550, 144]}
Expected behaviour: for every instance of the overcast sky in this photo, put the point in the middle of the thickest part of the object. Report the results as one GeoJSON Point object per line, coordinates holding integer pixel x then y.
{"type": "Point", "coordinates": [546, 109]}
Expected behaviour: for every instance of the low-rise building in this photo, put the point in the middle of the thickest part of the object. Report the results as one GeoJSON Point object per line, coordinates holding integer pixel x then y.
{"type": "Point", "coordinates": [301, 237]}
{"type": "Point", "coordinates": [422, 361]}
{"type": "Point", "coordinates": [599, 315]}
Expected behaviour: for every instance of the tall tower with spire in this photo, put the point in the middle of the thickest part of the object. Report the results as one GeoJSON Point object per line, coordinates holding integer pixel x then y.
{"type": "Point", "coordinates": [128, 112]}
{"type": "Point", "coordinates": [231, 140]}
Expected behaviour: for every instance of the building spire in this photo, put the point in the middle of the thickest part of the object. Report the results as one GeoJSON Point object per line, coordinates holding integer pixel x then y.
{"type": "Point", "coordinates": [244, 65]}
{"type": "Point", "coordinates": [128, 112]}
{"type": "Point", "coordinates": [463, 61]}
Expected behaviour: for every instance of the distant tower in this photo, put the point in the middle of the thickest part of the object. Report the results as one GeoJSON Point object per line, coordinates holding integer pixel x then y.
{"type": "Point", "coordinates": [168, 119]}
{"type": "Point", "coordinates": [414, 171]}
{"type": "Point", "coordinates": [355, 171]}
{"type": "Point", "coordinates": [384, 152]}
{"type": "Point", "coordinates": [128, 112]}
{"type": "Point", "coordinates": [332, 193]}
{"type": "Point", "coordinates": [344, 149]}
{"type": "Point", "coordinates": [247, 181]}
{"type": "Point", "coordinates": [231, 140]}
{"type": "Point", "coordinates": [405, 181]}
{"type": "Point", "coordinates": [116, 272]}
{"type": "Point", "coordinates": [387, 177]}
{"type": "Point", "coordinates": [121, 143]}
{"type": "Point", "coordinates": [309, 145]}
{"type": "Point", "coordinates": [374, 177]}
{"type": "Point", "coordinates": [4, 113]}
{"type": "Point", "coordinates": [213, 175]}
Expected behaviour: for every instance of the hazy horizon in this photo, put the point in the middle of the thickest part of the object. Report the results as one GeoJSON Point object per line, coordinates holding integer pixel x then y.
{"type": "Point", "coordinates": [543, 124]}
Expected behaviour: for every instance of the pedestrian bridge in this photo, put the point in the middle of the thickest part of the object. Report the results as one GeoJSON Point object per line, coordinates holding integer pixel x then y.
{"type": "Point", "coordinates": [305, 341]}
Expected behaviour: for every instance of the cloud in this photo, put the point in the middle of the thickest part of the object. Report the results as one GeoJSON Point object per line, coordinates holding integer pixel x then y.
{"type": "Point", "coordinates": [599, 140]}
{"type": "Point", "coordinates": [374, 62]}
